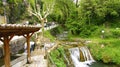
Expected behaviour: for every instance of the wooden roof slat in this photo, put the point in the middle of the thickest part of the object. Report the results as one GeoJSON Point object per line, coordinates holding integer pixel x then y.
{"type": "Point", "coordinates": [17, 29]}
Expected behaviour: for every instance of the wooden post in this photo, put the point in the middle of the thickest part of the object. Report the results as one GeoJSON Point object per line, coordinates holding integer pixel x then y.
{"type": "Point", "coordinates": [28, 46]}
{"type": "Point", "coordinates": [7, 52]}
{"type": "Point", "coordinates": [28, 49]}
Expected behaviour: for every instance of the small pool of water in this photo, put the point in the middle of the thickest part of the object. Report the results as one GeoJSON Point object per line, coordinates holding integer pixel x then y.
{"type": "Point", "coordinates": [101, 64]}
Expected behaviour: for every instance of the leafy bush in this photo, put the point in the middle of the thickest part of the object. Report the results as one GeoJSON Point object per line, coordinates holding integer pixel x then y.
{"type": "Point", "coordinates": [87, 30]}
{"type": "Point", "coordinates": [112, 33]}
{"type": "Point", "coordinates": [109, 53]}
{"type": "Point", "coordinates": [108, 33]}
{"type": "Point", "coordinates": [115, 33]}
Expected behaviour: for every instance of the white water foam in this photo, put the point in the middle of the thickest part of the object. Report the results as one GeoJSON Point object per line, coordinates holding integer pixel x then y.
{"type": "Point", "coordinates": [75, 55]}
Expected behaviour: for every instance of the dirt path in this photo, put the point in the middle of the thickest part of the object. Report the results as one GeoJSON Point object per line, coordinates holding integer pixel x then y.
{"type": "Point", "coordinates": [37, 59]}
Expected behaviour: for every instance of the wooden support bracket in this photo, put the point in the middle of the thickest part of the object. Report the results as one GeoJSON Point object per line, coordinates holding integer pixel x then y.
{"type": "Point", "coordinates": [10, 37]}
{"type": "Point", "coordinates": [28, 35]}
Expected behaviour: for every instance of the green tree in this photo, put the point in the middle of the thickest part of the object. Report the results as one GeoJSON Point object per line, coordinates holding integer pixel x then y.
{"type": "Point", "coordinates": [17, 10]}
{"type": "Point", "coordinates": [1, 8]}
{"type": "Point", "coordinates": [93, 12]}
{"type": "Point", "coordinates": [13, 9]}
{"type": "Point", "coordinates": [63, 9]}
{"type": "Point", "coordinates": [41, 9]}
{"type": "Point", "coordinates": [99, 12]}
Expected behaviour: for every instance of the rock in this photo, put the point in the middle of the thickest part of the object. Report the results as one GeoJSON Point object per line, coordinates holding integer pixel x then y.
{"type": "Point", "coordinates": [17, 44]}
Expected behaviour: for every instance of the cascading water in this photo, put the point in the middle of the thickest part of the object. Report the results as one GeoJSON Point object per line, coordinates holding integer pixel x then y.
{"type": "Point", "coordinates": [76, 56]}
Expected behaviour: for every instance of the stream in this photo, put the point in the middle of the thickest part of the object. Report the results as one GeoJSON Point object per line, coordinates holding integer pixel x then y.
{"type": "Point", "coordinates": [101, 64]}
{"type": "Point", "coordinates": [86, 60]}
{"type": "Point", "coordinates": [81, 57]}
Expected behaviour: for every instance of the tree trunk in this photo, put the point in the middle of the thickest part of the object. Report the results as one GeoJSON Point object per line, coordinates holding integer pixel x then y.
{"type": "Point", "coordinates": [42, 33]}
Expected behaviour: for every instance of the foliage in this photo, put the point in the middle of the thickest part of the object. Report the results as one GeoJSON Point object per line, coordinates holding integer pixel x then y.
{"type": "Point", "coordinates": [15, 10]}
{"type": "Point", "coordinates": [107, 51]}
{"type": "Point", "coordinates": [57, 30]}
{"type": "Point", "coordinates": [57, 56]}
{"type": "Point", "coordinates": [17, 13]}
{"type": "Point", "coordinates": [115, 33]}
{"type": "Point", "coordinates": [108, 33]}
{"type": "Point", "coordinates": [63, 9]}
{"type": "Point", "coordinates": [98, 12]}
{"type": "Point", "coordinates": [92, 13]}
{"type": "Point", "coordinates": [32, 2]}
{"type": "Point", "coordinates": [1, 7]}
{"type": "Point", "coordinates": [48, 35]}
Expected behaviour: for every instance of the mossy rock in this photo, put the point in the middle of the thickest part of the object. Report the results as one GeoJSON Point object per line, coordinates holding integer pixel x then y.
{"type": "Point", "coordinates": [106, 59]}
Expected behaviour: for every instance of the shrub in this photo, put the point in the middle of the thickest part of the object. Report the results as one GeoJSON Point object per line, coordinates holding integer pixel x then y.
{"type": "Point", "coordinates": [87, 30]}
{"type": "Point", "coordinates": [109, 53]}
{"type": "Point", "coordinates": [115, 33]}
{"type": "Point", "coordinates": [57, 56]}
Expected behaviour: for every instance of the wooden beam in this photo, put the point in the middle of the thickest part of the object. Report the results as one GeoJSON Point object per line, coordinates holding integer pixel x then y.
{"type": "Point", "coordinates": [31, 34]}
{"type": "Point", "coordinates": [7, 51]}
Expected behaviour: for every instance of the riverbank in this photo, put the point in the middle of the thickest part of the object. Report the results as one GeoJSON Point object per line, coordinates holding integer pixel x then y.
{"type": "Point", "coordinates": [106, 50]}
{"type": "Point", "coordinates": [101, 64]}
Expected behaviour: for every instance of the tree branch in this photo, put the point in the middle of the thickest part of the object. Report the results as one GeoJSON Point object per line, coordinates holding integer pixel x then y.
{"type": "Point", "coordinates": [48, 10]}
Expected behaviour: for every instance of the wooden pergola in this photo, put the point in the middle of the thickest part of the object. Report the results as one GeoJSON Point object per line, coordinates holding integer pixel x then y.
{"type": "Point", "coordinates": [8, 31]}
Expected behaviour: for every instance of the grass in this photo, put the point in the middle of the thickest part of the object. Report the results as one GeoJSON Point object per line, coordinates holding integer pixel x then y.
{"type": "Point", "coordinates": [57, 57]}
{"type": "Point", "coordinates": [105, 50]}
{"type": "Point", "coordinates": [48, 35]}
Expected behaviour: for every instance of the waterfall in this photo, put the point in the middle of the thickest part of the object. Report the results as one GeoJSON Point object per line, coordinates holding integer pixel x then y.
{"type": "Point", "coordinates": [76, 58]}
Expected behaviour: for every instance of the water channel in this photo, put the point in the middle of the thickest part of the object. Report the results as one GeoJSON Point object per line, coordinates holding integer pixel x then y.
{"type": "Point", "coordinates": [86, 60]}
{"type": "Point", "coordinates": [101, 64]}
